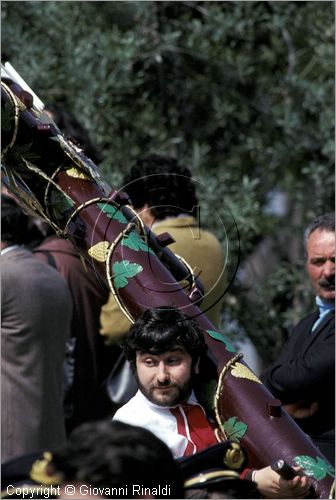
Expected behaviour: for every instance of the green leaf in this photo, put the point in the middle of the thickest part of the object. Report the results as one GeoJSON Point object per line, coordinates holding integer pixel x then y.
{"type": "Point", "coordinates": [7, 117]}
{"type": "Point", "coordinates": [206, 395]}
{"type": "Point", "coordinates": [330, 468]}
{"type": "Point", "coordinates": [30, 156]}
{"type": "Point", "coordinates": [60, 204]}
{"type": "Point", "coordinates": [317, 468]}
{"type": "Point", "coordinates": [124, 270]}
{"type": "Point", "coordinates": [234, 429]}
{"type": "Point", "coordinates": [135, 242]}
{"type": "Point", "coordinates": [112, 212]}
{"type": "Point", "coordinates": [219, 336]}
{"type": "Point", "coordinates": [23, 149]}
{"type": "Point", "coordinates": [17, 153]}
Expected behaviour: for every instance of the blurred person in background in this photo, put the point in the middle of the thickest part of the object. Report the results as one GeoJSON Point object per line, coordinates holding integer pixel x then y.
{"type": "Point", "coordinates": [164, 195]}
{"type": "Point", "coordinates": [36, 309]}
{"type": "Point", "coordinates": [121, 460]}
{"type": "Point", "coordinates": [303, 376]}
{"type": "Point", "coordinates": [88, 358]}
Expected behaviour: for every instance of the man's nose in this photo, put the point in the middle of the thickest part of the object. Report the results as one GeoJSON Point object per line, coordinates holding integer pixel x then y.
{"type": "Point", "coordinates": [329, 268]}
{"type": "Point", "coordinates": [163, 376]}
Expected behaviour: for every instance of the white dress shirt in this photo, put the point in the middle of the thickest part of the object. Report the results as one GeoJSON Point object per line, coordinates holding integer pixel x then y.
{"type": "Point", "coordinates": [157, 419]}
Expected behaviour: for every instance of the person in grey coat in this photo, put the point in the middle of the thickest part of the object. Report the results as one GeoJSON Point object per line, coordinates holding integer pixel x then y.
{"type": "Point", "coordinates": [36, 309]}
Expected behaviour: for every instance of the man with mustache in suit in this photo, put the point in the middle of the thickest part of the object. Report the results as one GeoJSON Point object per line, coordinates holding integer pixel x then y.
{"type": "Point", "coordinates": [303, 377]}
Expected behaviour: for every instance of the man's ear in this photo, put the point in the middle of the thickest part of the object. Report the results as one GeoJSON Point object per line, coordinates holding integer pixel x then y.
{"type": "Point", "coordinates": [196, 367]}
{"type": "Point", "coordinates": [146, 214]}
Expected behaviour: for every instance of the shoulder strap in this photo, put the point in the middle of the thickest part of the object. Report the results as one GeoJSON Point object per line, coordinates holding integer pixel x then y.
{"type": "Point", "coordinates": [50, 257]}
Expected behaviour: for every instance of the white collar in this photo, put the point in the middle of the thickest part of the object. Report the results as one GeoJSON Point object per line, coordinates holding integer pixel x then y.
{"type": "Point", "coordinates": [9, 249]}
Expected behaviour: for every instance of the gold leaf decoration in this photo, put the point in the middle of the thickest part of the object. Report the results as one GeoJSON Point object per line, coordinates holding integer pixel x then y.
{"type": "Point", "coordinates": [74, 172]}
{"type": "Point", "coordinates": [40, 472]}
{"type": "Point", "coordinates": [21, 105]}
{"type": "Point", "coordinates": [99, 251]}
{"type": "Point", "coordinates": [241, 371]}
{"type": "Point", "coordinates": [234, 456]}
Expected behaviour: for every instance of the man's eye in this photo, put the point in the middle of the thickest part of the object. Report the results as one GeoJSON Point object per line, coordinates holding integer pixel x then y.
{"type": "Point", "coordinates": [318, 262]}
{"type": "Point", "coordinates": [174, 361]}
{"type": "Point", "coordinates": [149, 362]}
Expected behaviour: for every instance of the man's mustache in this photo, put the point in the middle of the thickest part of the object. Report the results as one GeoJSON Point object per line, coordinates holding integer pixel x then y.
{"type": "Point", "coordinates": [163, 385]}
{"type": "Point", "coordinates": [328, 283]}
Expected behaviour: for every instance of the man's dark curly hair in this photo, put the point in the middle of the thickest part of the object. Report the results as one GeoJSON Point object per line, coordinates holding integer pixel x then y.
{"type": "Point", "coordinates": [163, 184]}
{"type": "Point", "coordinates": [162, 329]}
{"type": "Point", "coordinates": [112, 454]}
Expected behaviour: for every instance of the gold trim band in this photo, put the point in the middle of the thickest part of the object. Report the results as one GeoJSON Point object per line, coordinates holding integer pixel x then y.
{"type": "Point", "coordinates": [204, 477]}
{"type": "Point", "coordinates": [129, 227]}
{"type": "Point", "coordinates": [16, 118]}
{"type": "Point", "coordinates": [219, 389]}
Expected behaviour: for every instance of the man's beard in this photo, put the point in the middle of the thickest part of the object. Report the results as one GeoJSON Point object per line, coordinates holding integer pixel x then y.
{"type": "Point", "coordinates": [177, 395]}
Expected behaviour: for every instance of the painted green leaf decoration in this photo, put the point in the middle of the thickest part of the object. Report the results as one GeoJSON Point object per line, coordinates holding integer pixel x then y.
{"type": "Point", "coordinates": [7, 117]}
{"type": "Point", "coordinates": [60, 204]}
{"type": "Point", "coordinates": [23, 152]}
{"type": "Point", "coordinates": [112, 212]}
{"type": "Point", "coordinates": [318, 468]}
{"type": "Point", "coordinates": [234, 429]}
{"type": "Point", "coordinates": [330, 469]}
{"type": "Point", "coordinates": [219, 336]}
{"type": "Point", "coordinates": [124, 270]}
{"type": "Point", "coordinates": [206, 395]}
{"type": "Point", "coordinates": [135, 242]}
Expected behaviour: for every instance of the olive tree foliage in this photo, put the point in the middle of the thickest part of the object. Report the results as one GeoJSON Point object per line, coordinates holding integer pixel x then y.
{"type": "Point", "coordinates": [241, 92]}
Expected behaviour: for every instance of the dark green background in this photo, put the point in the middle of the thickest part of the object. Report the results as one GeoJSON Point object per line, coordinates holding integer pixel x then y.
{"type": "Point", "coordinates": [242, 92]}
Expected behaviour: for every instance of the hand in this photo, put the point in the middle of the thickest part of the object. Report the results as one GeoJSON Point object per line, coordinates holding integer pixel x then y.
{"type": "Point", "coordinates": [271, 485]}
{"type": "Point", "coordinates": [301, 409]}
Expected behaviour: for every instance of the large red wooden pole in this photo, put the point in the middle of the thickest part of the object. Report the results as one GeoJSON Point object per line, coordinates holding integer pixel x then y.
{"type": "Point", "coordinates": [52, 178]}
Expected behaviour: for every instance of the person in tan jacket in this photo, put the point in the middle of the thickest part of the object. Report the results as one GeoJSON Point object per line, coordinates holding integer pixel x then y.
{"type": "Point", "coordinates": [163, 194]}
